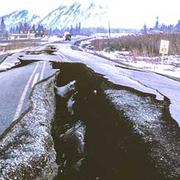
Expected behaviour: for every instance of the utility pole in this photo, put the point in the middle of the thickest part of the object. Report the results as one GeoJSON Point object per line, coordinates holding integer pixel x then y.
{"type": "Point", "coordinates": [109, 31]}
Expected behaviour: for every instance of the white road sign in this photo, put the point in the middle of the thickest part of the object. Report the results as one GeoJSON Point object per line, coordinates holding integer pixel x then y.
{"type": "Point", "coordinates": [164, 47]}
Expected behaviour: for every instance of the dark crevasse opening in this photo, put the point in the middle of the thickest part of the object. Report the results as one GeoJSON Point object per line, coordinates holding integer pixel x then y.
{"type": "Point", "coordinates": [94, 140]}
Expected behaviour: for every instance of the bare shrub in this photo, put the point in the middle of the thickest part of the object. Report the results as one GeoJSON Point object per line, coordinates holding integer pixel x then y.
{"type": "Point", "coordinates": [143, 45]}
{"type": "Point", "coordinates": [12, 45]}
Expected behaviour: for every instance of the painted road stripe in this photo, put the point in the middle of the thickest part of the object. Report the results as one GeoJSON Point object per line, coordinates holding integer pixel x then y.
{"type": "Point", "coordinates": [35, 79]}
{"type": "Point", "coordinates": [21, 101]}
{"type": "Point", "coordinates": [43, 70]}
{"type": "Point", "coordinates": [61, 55]}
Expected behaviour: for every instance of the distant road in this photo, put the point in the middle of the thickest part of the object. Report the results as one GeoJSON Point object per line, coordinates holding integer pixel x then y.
{"type": "Point", "coordinates": [15, 88]}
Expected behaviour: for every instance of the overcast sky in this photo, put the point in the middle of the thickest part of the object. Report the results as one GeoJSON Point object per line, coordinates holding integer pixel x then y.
{"type": "Point", "coordinates": [128, 13]}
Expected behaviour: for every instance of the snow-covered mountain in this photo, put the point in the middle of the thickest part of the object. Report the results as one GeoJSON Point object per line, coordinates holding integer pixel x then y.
{"type": "Point", "coordinates": [88, 13]}
{"type": "Point", "coordinates": [67, 15]}
{"type": "Point", "coordinates": [22, 16]}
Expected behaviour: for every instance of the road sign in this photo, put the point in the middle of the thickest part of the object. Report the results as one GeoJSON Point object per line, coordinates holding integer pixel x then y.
{"type": "Point", "coordinates": [164, 47]}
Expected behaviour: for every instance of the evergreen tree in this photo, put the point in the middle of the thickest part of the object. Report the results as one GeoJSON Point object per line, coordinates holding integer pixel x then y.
{"type": "Point", "coordinates": [144, 29]}
{"type": "Point", "coordinates": [33, 29]}
{"type": "Point", "coordinates": [71, 29]}
{"type": "Point", "coordinates": [157, 23]}
{"type": "Point", "coordinates": [178, 26]}
{"type": "Point", "coordinates": [2, 25]}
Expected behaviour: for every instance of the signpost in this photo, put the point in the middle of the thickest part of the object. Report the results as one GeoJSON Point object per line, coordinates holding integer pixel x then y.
{"type": "Point", "coordinates": [164, 48]}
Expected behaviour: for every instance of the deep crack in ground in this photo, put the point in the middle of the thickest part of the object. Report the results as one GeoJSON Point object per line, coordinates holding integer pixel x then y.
{"type": "Point", "coordinates": [104, 131]}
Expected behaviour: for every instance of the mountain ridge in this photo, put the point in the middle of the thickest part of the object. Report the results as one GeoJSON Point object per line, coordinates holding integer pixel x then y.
{"type": "Point", "coordinates": [89, 15]}
{"type": "Point", "coordinates": [20, 16]}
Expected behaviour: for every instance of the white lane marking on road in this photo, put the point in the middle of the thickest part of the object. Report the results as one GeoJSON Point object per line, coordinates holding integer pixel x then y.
{"type": "Point", "coordinates": [61, 55]}
{"type": "Point", "coordinates": [43, 70]}
{"type": "Point", "coordinates": [35, 79]}
{"type": "Point", "coordinates": [22, 98]}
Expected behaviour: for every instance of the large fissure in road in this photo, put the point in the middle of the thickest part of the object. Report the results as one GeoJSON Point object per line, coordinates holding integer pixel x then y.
{"type": "Point", "coordinates": [101, 131]}
{"type": "Point", "coordinates": [104, 131]}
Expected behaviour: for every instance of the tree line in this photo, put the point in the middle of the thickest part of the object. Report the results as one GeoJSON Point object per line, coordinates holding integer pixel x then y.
{"type": "Point", "coordinates": [140, 45]}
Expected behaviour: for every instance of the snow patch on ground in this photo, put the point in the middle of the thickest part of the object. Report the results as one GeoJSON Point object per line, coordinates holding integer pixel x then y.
{"type": "Point", "coordinates": [64, 90]}
{"type": "Point", "coordinates": [170, 66]}
{"type": "Point", "coordinates": [70, 104]}
{"type": "Point", "coordinates": [11, 61]}
{"type": "Point", "coordinates": [13, 51]}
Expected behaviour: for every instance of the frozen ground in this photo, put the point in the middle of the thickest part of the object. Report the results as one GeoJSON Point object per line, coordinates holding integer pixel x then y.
{"type": "Point", "coordinates": [12, 51]}
{"type": "Point", "coordinates": [10, 61]}
{"type": "Point", "coordinates": [170, 65]}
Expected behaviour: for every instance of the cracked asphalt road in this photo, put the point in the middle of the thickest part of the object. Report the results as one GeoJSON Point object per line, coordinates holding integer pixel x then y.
{"type": "Point", "coordinates": [17, 84]}
{"type": "Point", "coordinates": [15, 88]}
